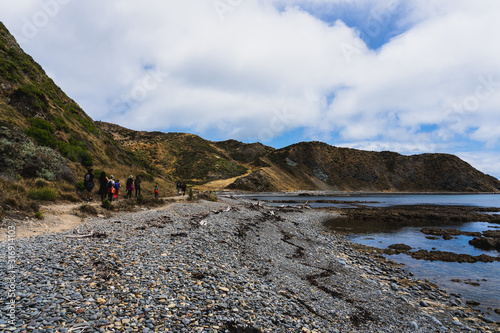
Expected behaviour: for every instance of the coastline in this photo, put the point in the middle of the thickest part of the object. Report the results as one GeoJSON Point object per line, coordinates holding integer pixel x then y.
{"type": "Point", "coordinates": [341, 193]}
{"type": "Point", "coordinates": [203, 267]}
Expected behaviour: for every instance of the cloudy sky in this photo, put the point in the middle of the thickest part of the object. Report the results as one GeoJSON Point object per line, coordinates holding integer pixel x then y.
{"type": "Point", "coordinates": [411, 76]}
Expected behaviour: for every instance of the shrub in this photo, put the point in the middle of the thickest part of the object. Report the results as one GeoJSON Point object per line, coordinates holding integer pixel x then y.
{"type": "Point", "coordinates": [40, 215]}
{"type": "Point", "coordinates": [21, 156]}
{"type": "Point", "coordinates": [41, 183]}
{"type": "Point", "coordinates": [146, 177]}
{"type": "Point", "coordinates": [45, 193]}
{"type": "Point", "coordinates": [97, 174]}
{"type": "Point", "coordinates": [42, 124]}
{"type": "Point", "coordinates": [42, 137]}
{"type": "Point", "coordinates": [145, 201]}
{"type": "Point", "coordinates": [75, 153]}
{"type": "Point", "coordinates": [106, 204]}
{"type": "Point", "coordinates": [30, 96]}
{"type": "Point", "coordinates": [33, 206]}
{"type": "Point", "coordinates": [70, 197]}
{"type": "Point", "coordinates": [42, 162]}
{"type": "Point", "coordinates": [61, 124]}
{"type": "Point", "coordinates": [80, 186]}
{"type": "Point", "coordinates": [88, 209]}
{"type": "Point", "coordinates": [10, 202]}
{"type": "Point", "coordinates": [85, 158]}
{"type": "Point", "coordinates": [209, 196]}
{"type": "Point", "coordinates": [66, 174]}
{"type": "Point", "coordinates": [140, 199]}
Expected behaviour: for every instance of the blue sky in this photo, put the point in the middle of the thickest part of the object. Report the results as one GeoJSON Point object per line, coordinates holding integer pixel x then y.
{"type": "Point", "coordinates": [416, 76]}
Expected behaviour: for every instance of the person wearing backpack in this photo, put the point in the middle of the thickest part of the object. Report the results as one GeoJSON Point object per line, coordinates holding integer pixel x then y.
{"type": "Point", "coordinates": [130, 187]}
{"type": "Point", "coordinates": [117, 189]}
{"type": "Point", "coordinates": [88, 182]}
{"type": "Point", "coordinates": [103, 185]}
{"type": "Point", "coordinates": [111, 188]}
{"type": "Point", "coordinates": [137, 184]}
{"type": "Point", "coordinates": [179, 187]}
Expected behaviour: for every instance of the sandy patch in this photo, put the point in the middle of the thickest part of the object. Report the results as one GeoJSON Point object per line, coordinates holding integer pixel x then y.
{"type": "Point", "coordinates": [58, 218]}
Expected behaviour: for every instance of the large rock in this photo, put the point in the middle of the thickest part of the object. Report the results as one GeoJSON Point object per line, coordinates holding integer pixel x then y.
{"type": "Point", "coordinates": [486, 243]}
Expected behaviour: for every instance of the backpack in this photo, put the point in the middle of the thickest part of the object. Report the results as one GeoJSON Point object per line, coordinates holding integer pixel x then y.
{"type": "Point", "coordinates": [110, 184]}
{"type": "Point", "coordinates": [86, 179]}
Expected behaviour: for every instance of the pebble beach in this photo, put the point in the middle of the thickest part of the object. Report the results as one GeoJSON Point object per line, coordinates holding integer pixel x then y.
{"type": "Point", "coordinates": [226, 266]}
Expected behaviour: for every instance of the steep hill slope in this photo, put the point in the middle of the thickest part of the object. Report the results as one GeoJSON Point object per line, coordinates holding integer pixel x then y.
{"type": "Point", "coordinates": [45, 135]}
{"type": "Point", "coordinates": [32, 102]}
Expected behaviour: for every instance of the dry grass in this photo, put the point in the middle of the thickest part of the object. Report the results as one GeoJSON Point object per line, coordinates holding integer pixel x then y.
{"type": "Point", "coordinates": [14, 196]}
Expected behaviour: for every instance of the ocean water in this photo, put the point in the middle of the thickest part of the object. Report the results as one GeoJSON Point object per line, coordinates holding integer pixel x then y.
{"type": "Point", "coordinates": [487, 275]}
{"type": "Point", "coordinates": [383, 200]}
{"type": "Point", "coordinates": [483, 279]}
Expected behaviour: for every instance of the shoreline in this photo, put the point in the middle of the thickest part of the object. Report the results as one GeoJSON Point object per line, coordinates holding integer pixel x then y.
{"type": "Point", "coordinates": [208, 266]}
{"type": "Point", "coordinates": [319, 193]}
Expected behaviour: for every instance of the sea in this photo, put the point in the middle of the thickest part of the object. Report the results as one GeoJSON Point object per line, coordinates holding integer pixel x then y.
{"type": "Point", "coordinates": [478, 281]}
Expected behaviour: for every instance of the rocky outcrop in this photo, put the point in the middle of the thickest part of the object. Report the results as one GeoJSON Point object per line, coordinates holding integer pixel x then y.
{"type": "Point", "coordinates": [450, 256]}
{"type": "Point", "coordinates": [490, 240]}
{"type": "Point", "coordinates": [448, 233]}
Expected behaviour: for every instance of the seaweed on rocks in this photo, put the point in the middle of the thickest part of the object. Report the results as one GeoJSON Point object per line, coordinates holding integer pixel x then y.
{"type": "Point", "coordinates": [447, 233]}
{"type": "Point", "coordinates": [159, 222]}
{"type": "Point", "coordinates": [450, 256]}
{"type": "Point", "coordinates": [233, 327]}
{"type": "Point", "coordinates": [179, 234]}
{"type": "Point", "coordinates": [486, 243]}
{"type": "Point", "coordinates": [313, 281]}
{"type": "Point", "coordinates": [105, 268]}
{"type": "Point", "coordinates": [299, 251]}
{"type": "Point", "coordinates": [361, 317]}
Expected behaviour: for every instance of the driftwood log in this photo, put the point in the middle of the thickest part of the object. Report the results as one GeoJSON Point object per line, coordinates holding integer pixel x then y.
{"type": "Point", "coordinates": [91, 234]}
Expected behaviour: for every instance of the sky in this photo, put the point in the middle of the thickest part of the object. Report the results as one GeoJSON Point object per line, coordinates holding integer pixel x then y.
{"type": "Point", "coordinates": [410, 76]}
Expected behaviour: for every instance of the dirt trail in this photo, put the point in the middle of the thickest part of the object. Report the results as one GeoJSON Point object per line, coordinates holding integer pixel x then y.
{"type": "Point", "coordinates": [63, 217]}
{"type": "Point", "coordinates": [219, 185]}
{"type": "Point", "coordinates": [58, 218]}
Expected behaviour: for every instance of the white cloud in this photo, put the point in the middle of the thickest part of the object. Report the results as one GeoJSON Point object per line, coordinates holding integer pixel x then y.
{"type": "Point", "coordinates": [424, 73]}
{"type": "Point", "coordinates": [486, 161]}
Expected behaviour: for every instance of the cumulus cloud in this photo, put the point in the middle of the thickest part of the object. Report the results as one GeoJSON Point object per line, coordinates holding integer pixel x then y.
{"type": "Point", "coordinates": [410, 76]}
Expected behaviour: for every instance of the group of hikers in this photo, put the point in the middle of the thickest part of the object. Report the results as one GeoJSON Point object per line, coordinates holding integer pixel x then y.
{"type": "Point", "coordinates": [181, 188]}
{"type": "Point", "coordinates": [109, 188]}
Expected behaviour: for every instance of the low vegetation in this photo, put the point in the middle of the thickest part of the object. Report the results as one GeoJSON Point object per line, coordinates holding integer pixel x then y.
{"type": "Point", "coordinates": [43, 194]}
